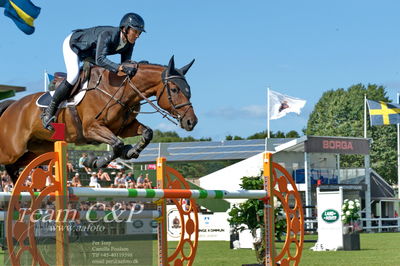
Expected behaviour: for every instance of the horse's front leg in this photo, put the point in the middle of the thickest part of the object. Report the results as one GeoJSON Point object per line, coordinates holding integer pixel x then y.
{"type": "Point", "coordinates": [134, 129]}
{"type": "Point", "coordinates": [102, 134]}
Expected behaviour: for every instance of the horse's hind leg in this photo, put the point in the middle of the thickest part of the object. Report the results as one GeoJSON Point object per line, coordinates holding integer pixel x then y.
{"type": "Point", "coordinates": [134, 129]}
{"type": "Point", "coordinates": [24, 160]}
{"type": "Point", "coordinates": [102, 134]}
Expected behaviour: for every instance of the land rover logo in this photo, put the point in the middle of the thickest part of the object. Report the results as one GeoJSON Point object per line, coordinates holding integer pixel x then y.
{"type": "Point", "coordinates": [330, 216]}
{"type": "Point", "coordinates": [137, 224]}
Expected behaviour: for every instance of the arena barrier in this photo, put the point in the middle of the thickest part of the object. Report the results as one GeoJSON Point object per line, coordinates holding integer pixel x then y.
{"type": "Point", "coordinates": [170, 185]}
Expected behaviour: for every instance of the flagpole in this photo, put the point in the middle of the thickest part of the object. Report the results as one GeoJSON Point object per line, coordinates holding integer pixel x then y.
{"type": "Point", "coordinates": [45, 80]}
{"type": "Point", "coordinates": [365, 115]}
{"type": "Point", "coordinates": [268, 114]}
{"type": "Point", "coordinates": [398, 153]}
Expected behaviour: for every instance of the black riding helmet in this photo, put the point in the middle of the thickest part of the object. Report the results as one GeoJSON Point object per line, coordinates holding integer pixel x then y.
{"type": "Point", "coordinates": [132, 20]}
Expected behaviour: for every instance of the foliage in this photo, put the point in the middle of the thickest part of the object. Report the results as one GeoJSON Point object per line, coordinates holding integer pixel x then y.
{"type": "Point", "coordinates": [229, 137]}
{"type": "Point", "coordinates": [341, 113]}
{"type": "Point", "coordinates": [251, 214]}
{"type": "Point", "coordinates": [158, 136]}
{"type": "Point", "coordinates": [199, 169]}
{"type": "Point", "coordinates": [350, 212]}
{"type": "Point", "coordinates": [263, 135]}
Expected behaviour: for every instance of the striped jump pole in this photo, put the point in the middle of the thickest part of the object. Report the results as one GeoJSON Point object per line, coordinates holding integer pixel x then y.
{"type": "Point", "coordinates": [113, 193]}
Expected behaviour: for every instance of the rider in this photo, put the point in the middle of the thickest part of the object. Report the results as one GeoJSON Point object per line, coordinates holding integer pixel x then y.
{"type": "Point", "coordinates": [94, 44]}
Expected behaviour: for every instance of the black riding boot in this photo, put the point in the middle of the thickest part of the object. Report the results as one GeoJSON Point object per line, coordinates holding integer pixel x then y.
{"type": "Point", "coordinates": [60, 94]}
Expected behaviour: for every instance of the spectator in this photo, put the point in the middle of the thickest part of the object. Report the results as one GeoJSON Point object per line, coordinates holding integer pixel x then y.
{"type": "Point", "coordinates": [76, 182]}
{"type": "Point", "coordinates": [81, 161]}
{"type": "Point", "coordinates": [130, 179]}
{"type": "Point", "coordinates": [4, 178]}
{"type": "Point", "coordinates": [132, 184]}
{"type": "Point", "coordinates": [93, 181]}
{"type": "Point", "coordinates": [147, 182]}
{"type": "Point", "coordinates": [140, 181]}
{"type": "Point", "coordinates": [103, 175]}
{"type": "Point", "coordinates": [8, 186]}
{"type": "Point", "coordinates": [119, 180]}
{"type": "Point", "coordinates": [70, 167]}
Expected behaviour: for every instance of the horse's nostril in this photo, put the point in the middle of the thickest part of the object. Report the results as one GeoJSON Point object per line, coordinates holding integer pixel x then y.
{"type": "Point", "coordinates": [189, 122]}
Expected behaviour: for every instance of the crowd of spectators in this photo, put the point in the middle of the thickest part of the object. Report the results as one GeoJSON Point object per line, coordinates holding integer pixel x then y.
{"type": "Point", "coordinates": [85, 176]}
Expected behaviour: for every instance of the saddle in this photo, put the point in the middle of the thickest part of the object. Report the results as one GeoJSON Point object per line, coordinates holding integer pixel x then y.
{"type": "Point", "coordinates": [76, 94]}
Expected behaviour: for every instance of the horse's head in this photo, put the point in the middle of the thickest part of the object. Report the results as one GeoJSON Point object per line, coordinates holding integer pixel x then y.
{"type": "Point", "coordinates": [174, 96]}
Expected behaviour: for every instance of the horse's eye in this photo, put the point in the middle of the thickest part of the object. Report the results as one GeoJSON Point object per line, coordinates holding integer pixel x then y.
{"type": "Point", "coordinates": [174, 90]}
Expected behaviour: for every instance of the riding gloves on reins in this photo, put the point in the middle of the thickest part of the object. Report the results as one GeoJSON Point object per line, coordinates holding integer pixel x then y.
{"type": "Point", "coordinates": [131, 71]}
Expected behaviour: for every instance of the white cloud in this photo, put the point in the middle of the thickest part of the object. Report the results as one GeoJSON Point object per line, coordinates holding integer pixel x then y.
{"type": "Point", "coordinates": [255, 110]}
{"type": "Point", "coordinates": [229, 112]}
{"type": "Point", "coordinates": [167, 127]}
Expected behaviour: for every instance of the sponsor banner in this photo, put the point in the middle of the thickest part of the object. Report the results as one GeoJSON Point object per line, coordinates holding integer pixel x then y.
{"type": "Point", "coordinates": [329, 219]}
{"type": "Point", "coordinates": [211, 226]}
{"type": "Point", "coordinates": [151, 166]}
{"type": "Point", "coordinates": [337, 145]}
{"type": "Point", "coordinates": [141, 226]}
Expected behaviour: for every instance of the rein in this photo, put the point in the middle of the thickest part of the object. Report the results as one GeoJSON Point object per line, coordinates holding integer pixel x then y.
{"type": "Point", "coordinates": [164, 114]}
{"type": "Point", "coordinates": [131, 109]}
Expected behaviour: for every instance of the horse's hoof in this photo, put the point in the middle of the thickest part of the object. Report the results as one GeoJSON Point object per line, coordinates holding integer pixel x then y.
{"type": "Point", "coordinates": [132, 154]}
{"type": "Point", "coordinates": [129, 152]}
{"type": "Point", "coordinates": [90, 160]}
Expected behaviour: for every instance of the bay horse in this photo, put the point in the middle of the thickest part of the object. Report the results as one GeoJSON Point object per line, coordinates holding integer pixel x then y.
{"type": "Point", "coordinates": [107, 113]}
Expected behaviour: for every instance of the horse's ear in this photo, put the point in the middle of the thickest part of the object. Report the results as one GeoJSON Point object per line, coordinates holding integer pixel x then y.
{"type": "Point", "coordinates": [171, 65]}
{"type": "Point", "coordinates": [185, 69]}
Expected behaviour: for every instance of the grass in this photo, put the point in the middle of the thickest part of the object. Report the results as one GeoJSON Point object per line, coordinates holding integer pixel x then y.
{"type": "Point", "coordinates": [376, 249]}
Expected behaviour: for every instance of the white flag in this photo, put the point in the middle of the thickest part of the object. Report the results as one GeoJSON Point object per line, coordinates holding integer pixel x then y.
{"type": "Point", "coordinates": [280, 105]}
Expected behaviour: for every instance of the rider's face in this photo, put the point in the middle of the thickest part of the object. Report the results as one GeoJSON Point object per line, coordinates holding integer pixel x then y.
{"type": "Point", "coordinates": [132, 35]}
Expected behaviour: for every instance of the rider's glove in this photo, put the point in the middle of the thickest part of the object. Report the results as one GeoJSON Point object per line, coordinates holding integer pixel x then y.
{"type": "Point", "coordinates": [131, 71]}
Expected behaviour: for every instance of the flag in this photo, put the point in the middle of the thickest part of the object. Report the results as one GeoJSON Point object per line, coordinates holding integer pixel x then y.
{"type": "Point", "coordinates": [49, 77]}
{"type": "Point", "coordinates": [280, 105]}
{"type": "Point", "coordinates": [382, 113]}
{"type": "Point", "coordinates": [22, 12]}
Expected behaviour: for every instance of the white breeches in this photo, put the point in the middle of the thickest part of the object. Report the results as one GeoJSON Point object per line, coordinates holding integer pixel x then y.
{"type": "Point", "coordinates": [71, 60]}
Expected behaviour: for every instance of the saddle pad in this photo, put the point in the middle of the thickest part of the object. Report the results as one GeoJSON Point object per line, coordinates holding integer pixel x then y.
{"type": "Point", "coordinates": [45, 99]}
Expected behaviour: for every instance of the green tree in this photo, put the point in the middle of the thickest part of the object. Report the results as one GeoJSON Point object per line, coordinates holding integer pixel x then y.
{"type": "Point", "coordinates": [251, 214]}
{"type": "Point", "coordinates": [341, 113]}
{"type": "Point", "coordinates": [278, 134]}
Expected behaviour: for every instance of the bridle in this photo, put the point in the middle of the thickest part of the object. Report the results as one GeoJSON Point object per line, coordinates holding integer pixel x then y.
{"type": "Point", "coordinates": [174, 79]}
{"type": "Point", "coordinates": [165, 79]}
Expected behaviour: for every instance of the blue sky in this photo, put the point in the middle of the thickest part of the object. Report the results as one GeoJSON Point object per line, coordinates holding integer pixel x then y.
{"type": "Point", "coordinates": [298, 48]}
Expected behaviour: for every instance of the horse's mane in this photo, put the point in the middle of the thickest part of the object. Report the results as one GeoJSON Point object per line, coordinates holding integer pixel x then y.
{"type": "Point", "coordinates": [150, 64]}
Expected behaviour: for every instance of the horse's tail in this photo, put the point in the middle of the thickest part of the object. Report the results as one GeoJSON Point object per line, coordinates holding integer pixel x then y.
{"type": "Point", "coordinates": [4, 105]}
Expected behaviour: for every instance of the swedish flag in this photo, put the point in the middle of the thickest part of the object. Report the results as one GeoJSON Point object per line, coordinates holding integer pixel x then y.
{"type": "Point", "coordinates": [382, 113]}
{"type": "Point", "coordinates": [22, 12]}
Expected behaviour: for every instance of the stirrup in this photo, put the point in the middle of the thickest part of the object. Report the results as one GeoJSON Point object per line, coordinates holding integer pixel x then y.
{"type": "Point", "coordinates": [46, 124]}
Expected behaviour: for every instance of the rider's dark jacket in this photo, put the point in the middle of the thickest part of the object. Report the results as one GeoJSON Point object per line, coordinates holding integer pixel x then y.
{"type": "Point", "coordinates": [94, 44]}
